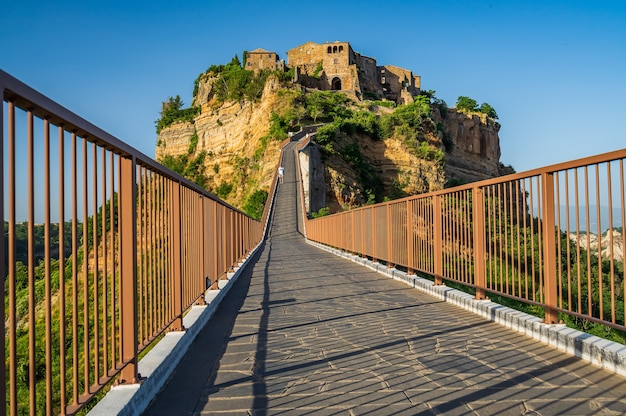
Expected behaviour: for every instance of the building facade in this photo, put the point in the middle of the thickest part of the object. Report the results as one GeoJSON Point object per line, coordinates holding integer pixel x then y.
{"type": "Point", "coordinates": [336, 66]}
{"type": "Point", "coordinates": [259, 59]}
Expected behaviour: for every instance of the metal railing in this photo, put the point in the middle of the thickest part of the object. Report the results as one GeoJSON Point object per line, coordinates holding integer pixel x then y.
{"type": "Point", "coordinates": [104, 250]}
{"type": "Point", "coordinates": [551, 237]}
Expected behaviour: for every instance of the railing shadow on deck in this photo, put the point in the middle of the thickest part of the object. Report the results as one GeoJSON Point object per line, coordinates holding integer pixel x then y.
{"type": "Point", "coordinates": [532, 237]}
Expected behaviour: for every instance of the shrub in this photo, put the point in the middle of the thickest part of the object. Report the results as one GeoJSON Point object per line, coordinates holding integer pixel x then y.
{"type": "Point", "coordinates": [255, 204]}
{"type": "Point", "coordinates": [321, 213]}
{"type": "Point", "coordinates": [470, 105]}
{"type": "Point", "coordinates": [318, 70]}
{"type": "Point", "coordinates": [172, 111]}
{"type": "Point", "coordinates": [193, 142]}
{"type": "Point", "coordinates": [466, 104]}
{"type": "Point", "coordinates": [224, 189]}
{"type": "Point", "coordinates": [327, 105]}
{"type": "Point", "coordinates": [489, 110]}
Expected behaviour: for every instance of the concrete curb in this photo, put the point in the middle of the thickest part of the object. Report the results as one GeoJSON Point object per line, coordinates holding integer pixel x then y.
{"type": "Point", "coordinates": [157, 365]}
{"type": "Point", "coordinates": [600, 352]}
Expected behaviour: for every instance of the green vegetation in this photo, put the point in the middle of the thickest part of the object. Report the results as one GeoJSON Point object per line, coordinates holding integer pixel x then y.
{"type": "Point", "coordinates": [57, 252]}
{"type": "Point", "coordinates": [326, 104]}
{"type": "Point", "coordinates": [235, 83]}
{"type": "Point", "coordinates": [172, 112]}
{"type": "Point", "coordinates": [385, 103]}
{"type": "Point", "coordinates": [190, 165]}
{"type": "Point", "coordinates": [470, 105]}
{"type": "Point", "coordinates": [371, 182]}
{"type": "Point", "coordinates": [318, 71]}
{"type": "Point", "coordinates": [255, 204]}
{"type": "Point", "coordinates": [224, 189]}
{"type": "Point", "coordinates": [514, 266]}
{"type": "Point", "coordinates": [321, 213]}
{"type": "Point", "coordinates": [410, 123]}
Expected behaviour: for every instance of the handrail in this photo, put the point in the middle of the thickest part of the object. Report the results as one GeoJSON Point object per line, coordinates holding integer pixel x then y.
{"type": "Point", "coordinates": [106, 250]}
{"type": "Point", "coordinates": [531, 236]}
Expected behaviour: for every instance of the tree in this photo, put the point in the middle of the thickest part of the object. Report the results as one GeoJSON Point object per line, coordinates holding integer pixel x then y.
{"type": "Point", "coordinates": [235, 62]}
{"type": "Point", "coordinates": [466, 103]}
{"type": "Point", "coordinates": [489, 110]}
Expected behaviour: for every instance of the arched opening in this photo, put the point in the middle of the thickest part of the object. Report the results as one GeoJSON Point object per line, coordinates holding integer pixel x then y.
{"type": "Point", "coordinates": [340, 48]}
{"type": "Point", "coordinates": [334, 49]}
{"type": "Point", "coordinates": [330, 50]}
{"type": "Point", "coordinates": [336, 84]}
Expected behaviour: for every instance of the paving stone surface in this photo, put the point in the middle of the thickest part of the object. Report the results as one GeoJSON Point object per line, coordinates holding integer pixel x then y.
{"type": "Point", "coordinates": [303, 332]}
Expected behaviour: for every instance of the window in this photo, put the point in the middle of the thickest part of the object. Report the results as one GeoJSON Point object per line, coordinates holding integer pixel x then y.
{"type": "Point", "coordinates": [335, 61]}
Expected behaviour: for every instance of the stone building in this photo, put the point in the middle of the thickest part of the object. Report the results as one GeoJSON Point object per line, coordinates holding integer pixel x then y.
{"type": "Point", "coordinates": [261, 59]}
{"type": "Point", "coordinates": [336, 66]}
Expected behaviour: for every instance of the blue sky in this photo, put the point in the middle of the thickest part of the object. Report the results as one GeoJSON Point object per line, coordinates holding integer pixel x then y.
{"type": "Point", "coordinates": [555, 71]}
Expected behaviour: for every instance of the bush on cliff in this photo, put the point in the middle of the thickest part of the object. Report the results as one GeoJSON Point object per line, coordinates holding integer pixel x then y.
{"type": "Point", "coordinates": [172, 111]}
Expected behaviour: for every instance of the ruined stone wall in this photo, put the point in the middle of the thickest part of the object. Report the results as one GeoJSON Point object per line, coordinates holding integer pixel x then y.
{"type": "Point", "coordinates": [346, 70]}
{"type": "Point", "coordinates": [399, 83]}
{"type": "Point", "coordinates": [368, 76]}
{"type": "Point", "coordinates": [306, 57]}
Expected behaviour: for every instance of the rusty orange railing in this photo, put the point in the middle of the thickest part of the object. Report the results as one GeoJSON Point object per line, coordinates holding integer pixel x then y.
{"type": "Point", "coordinates": [104, 249]}
{"type": "Point", "coordinates": [551, 237]}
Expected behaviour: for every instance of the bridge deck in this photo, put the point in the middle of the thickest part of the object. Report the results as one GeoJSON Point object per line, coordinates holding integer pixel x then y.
{"type": "Point", "coordinates": [305, 332]}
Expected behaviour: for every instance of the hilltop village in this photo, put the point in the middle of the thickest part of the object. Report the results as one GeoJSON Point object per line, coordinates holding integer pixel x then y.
{"type": "Point", "coordinates": [335, 66]}
{"type": "Point", "coordinates": [379, 135]}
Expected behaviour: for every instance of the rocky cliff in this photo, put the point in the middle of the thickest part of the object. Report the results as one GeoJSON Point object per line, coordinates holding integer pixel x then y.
{"type": "Point", "coordinates": [610, 244]}
{"type": "Point", "coordinates": [240, 150]}
{"type": "Point", "coordinates": [475, 151]}
{"type": "Point", "coordinates": [239, 156]}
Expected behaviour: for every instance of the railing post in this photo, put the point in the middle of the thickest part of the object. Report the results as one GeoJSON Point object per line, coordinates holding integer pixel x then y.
{"type": "Point", "coordinates": [216, 256]}
{"type": "Point", "coordinates": [549, 244]}
{"type": "Point", "coordinates": [128, 270]}
{"type": "Point", "coordinates": [390, 264]}
{"type": "Point", "coordinates": [363, 234]}
{"type": "Point", "coordinates": [225, 237]}
{"type": "Point", "coordinates": [202, 267]}
{"type": "Point", "coordinates": [353, 233]}
{"type": "Point", "coordinates": [409, 237]}
{"type": "Point", "coordinates": [176, 261]}
{"type": "Point", "coordinates": [478, 219]}
{"type": "Point", "coordinates": [437, 240]}
{"type": "Point", "coordinates": [374, 235]}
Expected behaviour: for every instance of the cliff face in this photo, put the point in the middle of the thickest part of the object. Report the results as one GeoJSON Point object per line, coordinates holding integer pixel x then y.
{"type": "Point", "coordinates": [387, 167]}
{"type": "Point", "coordinates": [473, 155]}
{"type": "Point", "coordinates": [475, 151]}
{"type": "Point", "coordinates": [231, 135]}
{"type": "Point", "coordinates": [241, 155]}
{"type": "Point", "coordinates": [610, 244]}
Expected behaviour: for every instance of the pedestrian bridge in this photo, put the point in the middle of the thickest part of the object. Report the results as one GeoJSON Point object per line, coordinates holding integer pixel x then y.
{"type": "Point", "coordinates": [186, 306]}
